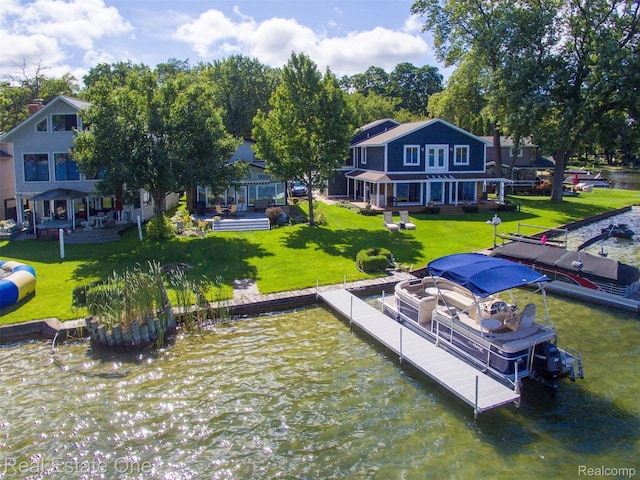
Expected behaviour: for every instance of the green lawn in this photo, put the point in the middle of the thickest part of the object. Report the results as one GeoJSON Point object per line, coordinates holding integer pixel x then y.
{"type": "Point", "coordinates": [285, 258]}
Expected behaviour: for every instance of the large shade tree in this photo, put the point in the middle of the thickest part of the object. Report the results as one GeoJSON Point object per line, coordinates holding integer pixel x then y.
{"type": "Point", "coordinates": [306, 135]}
{"type": "Point", "coordinates": [558, 68]}
{"type": "Point", "coordinates": [594, 73]}
{"type": "Point", "coordinates": [161, 133]}
{"type": "Point", "coordinates": [471, 31]}
{"type": "Point", "coordinates": [242, 87]}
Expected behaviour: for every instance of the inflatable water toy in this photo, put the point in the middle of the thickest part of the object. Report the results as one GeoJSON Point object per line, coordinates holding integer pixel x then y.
{"type": "Point", "coordinates": [17, 280]}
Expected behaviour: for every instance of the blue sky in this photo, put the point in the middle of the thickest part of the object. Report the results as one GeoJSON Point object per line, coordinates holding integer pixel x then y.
{"type": "Point", "coordinates": [347, 36]}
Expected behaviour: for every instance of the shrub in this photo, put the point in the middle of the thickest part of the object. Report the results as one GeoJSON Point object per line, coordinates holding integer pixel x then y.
{"type": "Point", "coordinates": [319, 217]}
{"type": "Point", "coordinates": [432, 210]}
{"type": "Point", "coordinates": [159, 228]}
{"type": "Point", "coordinates": [367, 212]}
{"type": "Point", "coordinates": [506, 207]}
{"type": "Point", "coordinates": [372, 260]}
{"type": "Point", "coordinates": [274, 214]}
{"type": "Point", "coordinates": [470, 208]}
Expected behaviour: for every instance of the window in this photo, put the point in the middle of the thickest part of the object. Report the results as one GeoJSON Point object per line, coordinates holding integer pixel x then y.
{"type": "Point", "coordinates": [36, 167]}
{"type": "Point", "coordinates": [408, 192]}
{"type": "Point", "coordinates": [511, 152]}
{"type": "Point", "coordinates": [411, 155]}
{"type": "Point", "coordinates": [467, 191]}
{"type": "Point", "coordinates": [66, 169]}
{"type": "Point", "coordinates": [42, 125]}
{"type": "Point", "coordinates": [64, 123]}
{"type": "Point", "coordinates": [461, 155]}
{"type": "Point", "coordinates": [437, 157]}
{"type": "Point", "coordinates": [437, 192]}
{"type": "Point", "coordinates": [363, 156]}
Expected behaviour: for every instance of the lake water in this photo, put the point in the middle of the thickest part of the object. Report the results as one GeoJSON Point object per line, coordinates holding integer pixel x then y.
{"type": "Point", "coordinates": [298, 395]}
{"type": "Point", "coordinates": [624, 180]}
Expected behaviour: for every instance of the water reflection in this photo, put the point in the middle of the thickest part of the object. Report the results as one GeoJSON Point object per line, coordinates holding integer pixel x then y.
{"type": "Point", "coordinates": [298, 395]}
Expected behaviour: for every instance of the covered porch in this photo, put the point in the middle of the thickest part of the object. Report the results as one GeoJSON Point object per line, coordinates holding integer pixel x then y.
{"type": "Point", "coordinates": [408, 190]}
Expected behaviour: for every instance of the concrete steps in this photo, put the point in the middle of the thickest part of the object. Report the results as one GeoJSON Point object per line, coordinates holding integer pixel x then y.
{"type": "Point", "coordinates": [240, 224]}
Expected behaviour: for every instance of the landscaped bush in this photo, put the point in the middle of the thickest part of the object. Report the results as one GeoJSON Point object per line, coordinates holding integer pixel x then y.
{"type": "Point", "coordinates": [372, 260]}
{"type": "Point", "coordinates": [506, 207]}
{"type": "Point", "coordinates": [432, 210]}
{"type": "Point", "coordinates": [470, 208]}
{"type": "Point", "coordinates": [367, 211]}
{"type": "Point", "coordinates": [319, 217]}
{"type": "Point", "coordinates": [274, 214]}
{"type": "Point", "coordinates": [159, 228]}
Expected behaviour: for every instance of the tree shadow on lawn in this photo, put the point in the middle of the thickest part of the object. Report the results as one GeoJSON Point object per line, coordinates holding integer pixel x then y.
{"type": "Point", "coordinates": [347, 243]}
{"type": "Point", "coordinates": [211, 256]}
{"type": "Point", "coordinates": [569, 210]}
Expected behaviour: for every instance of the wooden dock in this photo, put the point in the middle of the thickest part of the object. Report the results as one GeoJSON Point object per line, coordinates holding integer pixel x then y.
{"type": "Point", "coordinates": [468, 383]}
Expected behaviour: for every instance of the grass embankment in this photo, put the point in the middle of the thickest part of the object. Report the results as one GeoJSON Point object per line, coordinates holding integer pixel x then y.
{"type": "Point", "coordinates": [284, 258]}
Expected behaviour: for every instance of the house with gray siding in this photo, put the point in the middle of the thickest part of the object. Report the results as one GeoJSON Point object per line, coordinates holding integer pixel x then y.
{"type": "Point", "coordinates": [47, 182]}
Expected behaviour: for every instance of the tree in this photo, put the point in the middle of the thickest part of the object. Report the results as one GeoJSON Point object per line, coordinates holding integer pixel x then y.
{"type": "Point", "coordinates": [470, 30]}
{"type": "Point", "coordinates": [371, 107]}
{"type": "Point", "coordinates": [375, 80]}
{"type": "Point", "coordinates": [463, 102]}
{"type": "Point", "coordinates": [145, 134]}
{"type": "Point", "coordinates": [414, 86]}
{"type": "Point", "coordinates": [242, 87]}
{"type": "Point", "coordinates": [306, 135]}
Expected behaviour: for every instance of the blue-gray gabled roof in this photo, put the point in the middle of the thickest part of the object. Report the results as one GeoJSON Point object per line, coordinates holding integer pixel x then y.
{"type": "Point", "coordinates": [74, 103]}
{"type": "Point", "coordinates": [407, 128]}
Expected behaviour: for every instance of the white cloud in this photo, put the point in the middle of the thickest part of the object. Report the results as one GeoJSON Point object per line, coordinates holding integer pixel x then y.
{"type": "Point", "coordinates": [74, 22]}
{"type": "Point", "coordinates": [43, 30]}
{"type": "Point", "coordinates": [273, 40]}
{"type": "Point", "coordinates": [413, 24]}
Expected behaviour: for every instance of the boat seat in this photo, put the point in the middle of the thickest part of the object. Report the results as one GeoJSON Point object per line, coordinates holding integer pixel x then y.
{"type": "Point", "coordinates": [524, 319]}
{"type": "Point", "coordinates": [458, 300]}
{"type": "Point", "coordinates": [427, 305]}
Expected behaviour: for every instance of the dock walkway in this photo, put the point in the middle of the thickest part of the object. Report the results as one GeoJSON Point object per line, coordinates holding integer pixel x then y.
{"type": "Point", "coordinates": [466, 382]}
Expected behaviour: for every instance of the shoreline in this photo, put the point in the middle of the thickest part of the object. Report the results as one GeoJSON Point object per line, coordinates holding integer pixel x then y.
{"type": "Point", "coordinates": [245, 302]}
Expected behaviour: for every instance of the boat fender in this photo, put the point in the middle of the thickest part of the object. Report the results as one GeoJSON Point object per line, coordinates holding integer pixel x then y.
{"type": "Point", "coordinates": [577, 265]}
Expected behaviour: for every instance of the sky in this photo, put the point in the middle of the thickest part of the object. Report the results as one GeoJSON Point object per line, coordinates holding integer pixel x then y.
{"type": "Point", "coordinates": [347, 36]}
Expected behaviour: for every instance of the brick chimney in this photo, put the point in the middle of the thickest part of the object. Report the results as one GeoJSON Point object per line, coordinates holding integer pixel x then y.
{"type": "Point", "coordinates": [35, 106]}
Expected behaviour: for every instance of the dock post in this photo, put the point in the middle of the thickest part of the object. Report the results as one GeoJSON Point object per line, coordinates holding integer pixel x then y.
{"type": "Point", "coordinates": [401, 348]}
{"type": "Point", "coordinates": [317, 290]}
{"type": "Point", "coordinates": [475, 408]}
{"type": "Point", "coordinates": [351, 313]}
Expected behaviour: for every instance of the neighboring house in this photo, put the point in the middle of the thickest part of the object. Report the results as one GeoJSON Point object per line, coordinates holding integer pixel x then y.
{"type": "Point", "coordinates": [257, 190]}
{"type": "Point", "coordinates": [338, 186]}
{"type": "Point", "coordinates": [7, 185]}
{"type": "Point", "coordinates": [525, 167]}
{"type": "Point", "coordinates": [415, 164]}
{"type": "Point", "coordinates": [47, 181]}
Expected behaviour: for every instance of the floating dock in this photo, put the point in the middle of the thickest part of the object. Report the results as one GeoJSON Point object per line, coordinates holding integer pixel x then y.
{"type": "Point", "coordinates": [463, 380]}
{"type": "Point", "coordinates": [631, 303]}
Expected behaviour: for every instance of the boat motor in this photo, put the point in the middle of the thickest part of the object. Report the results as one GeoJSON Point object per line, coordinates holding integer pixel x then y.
{"type": "Point", "coordinates": [547, 364]}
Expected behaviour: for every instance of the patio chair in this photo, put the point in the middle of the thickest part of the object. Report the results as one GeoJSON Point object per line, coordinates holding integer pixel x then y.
{"type": "Point", "coordinates": [218, 209]}
{"type": "Point", "coordinates": [404, 221]}
{"type": "Point", "coordinates": [389, 224]}
{"type": "Point", "coordinates": [233, 210]}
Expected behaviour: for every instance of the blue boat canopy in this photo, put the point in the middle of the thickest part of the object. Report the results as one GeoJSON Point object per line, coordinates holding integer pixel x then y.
{"type": "Point", "coordinates": [484, 275]}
